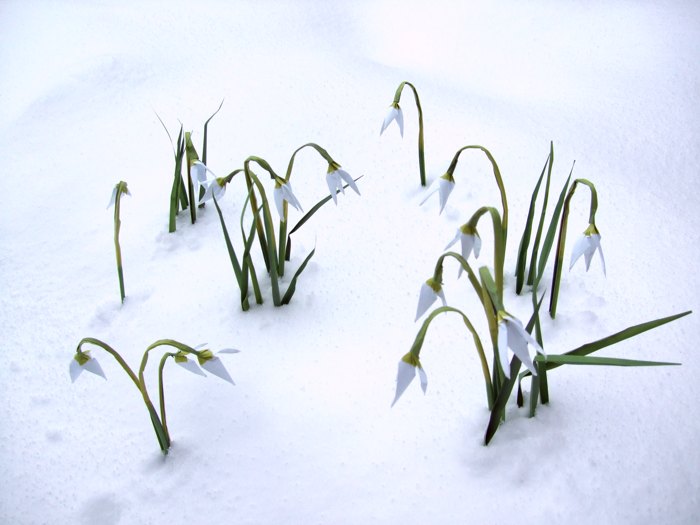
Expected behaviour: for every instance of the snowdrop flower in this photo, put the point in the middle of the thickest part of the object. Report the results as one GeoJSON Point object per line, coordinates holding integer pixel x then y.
{"type": "Point", "coordinates": [470, 242]}
{"type": "Point", "coordinates": [198, 172]}
{"type": "Point", "coordinates": [182, 360]}
{"type": "Point", "coordinates": [120, 188]}
{"type": "Point", "coordinates": [429, 293]}
{"type": "Point", "coordinates": [214, 365]}
{"type": "Point", "coordinates": [335, 178]}
{"type": "Point", "coordinates": [511, 334]}
{"type": "Point", "coordinates": [396, 114]}
{"type": "Point", "coordinates": [283, 192]}
{"type": "Point", "coordinates": [82, 361]}
{"type": "Point", "coordinates": [445, 185]}
{"type": "Point", "coordinates": [587, 245]}
{"type": "Point", "coordinates": [408, 366]}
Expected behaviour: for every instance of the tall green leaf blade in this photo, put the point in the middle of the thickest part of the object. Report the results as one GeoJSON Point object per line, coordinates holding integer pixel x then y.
{"type": "Point", "coordinates": [565, 359]}
{"type": "Point", "coordinates": [538, 236]}
{"type": "Point", "coordinates": [293, 283]}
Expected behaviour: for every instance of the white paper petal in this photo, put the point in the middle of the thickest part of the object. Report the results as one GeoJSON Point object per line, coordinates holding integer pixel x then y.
{"type": "Point", "coordinates": [348, 180]}
{"type": "Point", "coordinates": [93, 366]}
{"type": "Point", "coordinates": [457, 237]}
{"type": "Point", "coordinates": [75, 370]}
{"type": "Point", "coordinates": [216, 367]}
{"type": "Point", "coordinates": [446, 188]}
{"type": "Point", "coordinates": [503, 348]}
{"type": "Point", "coordinates": [602, 259]}
{"type": "Point", "coordinates": [434, 188]}
{"type": "Point", "coordinates": [228, 351]}
{"type": "Point", "coordinates": [279, 199]}
{"type": "Point", "coordinates": [390, 115]}
{"type": "Point", "coordinates": [404, 377]}
{"type": "Point", "coordinates": [332, 186]}
{"type": "Point", "coordinates": [518, 343]}
{"type": "Point", "coordinates": [477, 246]}
{"type": "Point", "coordinates": [399, 120]}
{"type": "Point", "coordinates": [423, 379]}
{"type": "Point", "coordinates": [426, 299]}
{"type": "Point", "coordinates": [198, 172]}
{"type": "Point", "coordinates": [191, 366]}
{"type": "Point", "coordinates": [113, 198]}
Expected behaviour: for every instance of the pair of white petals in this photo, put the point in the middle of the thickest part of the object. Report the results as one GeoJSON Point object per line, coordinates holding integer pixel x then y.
{"type": "Point", "coordinates": [429, 293]}
{"type": "Point", "coordinates": [512, 334]}
{"type": "Point", "coordinates": [213, 365]}
{"type": "Point", "coordinates": [335, 180]}
{"type": "Point", "coordinates": [444, 185]}
{"type": "Point", "coordinates": [394, 114]}
{"type": "Point", "coordinates": [406, 373]}
{"type": "Point", "coordinates": [213, 186]}
{"type": "Point", "coordinates": [587, 245]}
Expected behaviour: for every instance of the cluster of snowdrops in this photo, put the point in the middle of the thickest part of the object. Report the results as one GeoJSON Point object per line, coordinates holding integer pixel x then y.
{"type": "Point", "coordinates": [513, 344]}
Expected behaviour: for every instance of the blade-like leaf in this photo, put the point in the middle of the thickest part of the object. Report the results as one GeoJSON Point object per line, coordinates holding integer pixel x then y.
{"type": "Point", "coordinates": [293, 283]}
{"type": "Point", "coordinates": [538, 236]}
{"type": "Point", "coordinates": [204, 141]}
{"type": "Point", "coordinates": [593, 360]}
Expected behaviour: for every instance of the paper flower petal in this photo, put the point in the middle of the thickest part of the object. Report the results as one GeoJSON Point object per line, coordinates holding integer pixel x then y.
{"type": "Point", "coordinates": [216, 367]}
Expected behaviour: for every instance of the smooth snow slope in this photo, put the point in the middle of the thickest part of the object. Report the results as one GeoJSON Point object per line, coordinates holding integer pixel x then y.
{"type": "Point", "coordinates": [307, 435]}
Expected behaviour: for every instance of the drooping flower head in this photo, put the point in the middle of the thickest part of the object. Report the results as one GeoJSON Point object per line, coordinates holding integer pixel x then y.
{"type": "Point", "coordinates": [335, 178]}
{"type": "Point", "coordinates": [82, 360]}
{"type": "Point", "coordinates": [283, 192]}
{"type": "Point", "coordinates": [429, 293]}
{"type": "Point", "coordinates": [470, 241]}
{"type": "Point", "coordinates": [212, 364]}
{"type": "Point", "coordinates": [394, 113]}
{"type": "Point", "coordinates": [512, 334]}
{"type": "Point", "coordinates": [120, 188]}
{"type": "Point", "coordinates": [587, 245]}
{"type": "Point", "coordinates": [408, 366]}
{"type": "Point", "coordinates": [188, 364]}
{"type": "Point", "coordinates": [444, 185]}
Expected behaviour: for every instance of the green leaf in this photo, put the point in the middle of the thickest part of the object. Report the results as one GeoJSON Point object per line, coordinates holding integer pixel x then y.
{"type": "Point", "coordinates": [204, 142]}
{"type": "Point", "coordinates": [538, 236]}
{"type": "Point", "coordinates": [498, 412]}
{"type": "Point", "coordinates": [293, 283]}
{"type": "Point", "coordinates": [525, 239]}
{"type": "Point", "coordinates": [565, 359]}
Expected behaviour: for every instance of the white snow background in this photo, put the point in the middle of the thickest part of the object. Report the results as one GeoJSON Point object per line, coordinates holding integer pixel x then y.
{"type": "Point", "coordinates": [307, 436]}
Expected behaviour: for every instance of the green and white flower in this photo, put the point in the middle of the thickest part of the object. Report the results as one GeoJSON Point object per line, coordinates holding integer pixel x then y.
{"type": "Point", "coordinates": [429, 293]}
{"type": "Point", "coordinates": [283, 192]}
{"type": "Point", "coordinates": [335, 178]}
{"type": "Point", "coordinates": [394, 114]}
{"type": "Point", "coordinates": [408, 366]}
{"type": "Point", "coordinates": [83, 361]}
{"type": "Point", "coordinates": [212, 364]}
{"type": "Point", "coordinates": [587, 245]}
{"type": "Point", "coordinates": [512, 334]}
{"type": "Point", "coordinates": [444, 185]}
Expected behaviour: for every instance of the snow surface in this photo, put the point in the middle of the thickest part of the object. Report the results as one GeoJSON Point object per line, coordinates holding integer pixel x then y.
{"type": "Point", "coordinates": [307, 435]}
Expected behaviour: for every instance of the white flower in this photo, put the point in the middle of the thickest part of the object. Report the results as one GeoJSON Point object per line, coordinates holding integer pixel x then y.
{"type": "Point", "coordinates": [82, 361]}
{"type": "Point", "coordinates": [214, 365]}
{"type": "Point", "coordinates": [182, 360]}
{"type": "Point", "coordinates": [120, 187]}
{"type": "Point", "coordinates": [587, 245]}
{"type": "Point", "coordinates": [213, 186]}
{"type": "Point", "coordinates": [396, 114]}
{"type": "Point", "coordinates": [445, 185]}
{"type": "Point", "coordinates": [408, 366]}
{"type": "Point", "coordinates": [429, 293]}
{"type": "Point", "coordinates": [470, 242]}
{"type": "Point", "coordinates": [335, 178]}
{"type": "Point", "coordinates": [511, 334]}
{"type": "Point", "coordinates": [283, 192]}
{"type": "Point", "coordinates": [198, 172]}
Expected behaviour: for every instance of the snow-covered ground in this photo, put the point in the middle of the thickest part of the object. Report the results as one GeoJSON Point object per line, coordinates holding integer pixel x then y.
{"type": "Point", "coordinates": [306, 435]}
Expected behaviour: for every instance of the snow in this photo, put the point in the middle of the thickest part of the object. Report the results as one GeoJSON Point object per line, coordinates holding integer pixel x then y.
{"type": "Point", "coordinates": [307, 435]}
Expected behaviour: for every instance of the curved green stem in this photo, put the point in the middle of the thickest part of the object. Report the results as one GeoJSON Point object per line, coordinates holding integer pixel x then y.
{"type": "Point", "coordinates": [420, 337]}
{"type": "Point", "coordinates": [499, 249]}
{"type": "Point", "coordinates": [117, 227]}
{"type": "Point", "coordinates": [497, 176]}
{"type": "Point", "coordinates": [421, 146]}
{"type": "Point", "coordinates": [281, 255]}
{"type": "Point", "coordinates": [561, 243]}
{"type": "Point", "coordinates": [437, 275]}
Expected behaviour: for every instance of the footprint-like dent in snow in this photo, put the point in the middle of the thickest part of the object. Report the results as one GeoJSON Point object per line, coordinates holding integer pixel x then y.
{"type": "Point", "coordinates": [103, 509]}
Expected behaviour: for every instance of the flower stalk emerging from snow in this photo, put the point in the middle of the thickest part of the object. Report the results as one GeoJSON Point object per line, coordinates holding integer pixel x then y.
{"type": "Point", "coordinates": [119, 189]}
{"type": "Point", "coordinates": [396, 114]}
{"type": "Point", "coordinates": [585, 246]}
{"type": "Point", "coordinates": [207, 360]}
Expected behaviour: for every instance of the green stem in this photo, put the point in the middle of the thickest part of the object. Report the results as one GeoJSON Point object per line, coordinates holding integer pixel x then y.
{"type": "Point", "coordinates": [499, 249]}
{"type": "Point", "coordinates": [421, 146]}
{"type": "Point", "coordinates": [117, 248]}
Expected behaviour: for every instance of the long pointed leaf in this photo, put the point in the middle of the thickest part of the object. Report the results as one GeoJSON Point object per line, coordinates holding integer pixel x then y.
{"type": "Point", "coordinates": [293, 283]}
{"type": "Point", "coordinates": [601, 361]}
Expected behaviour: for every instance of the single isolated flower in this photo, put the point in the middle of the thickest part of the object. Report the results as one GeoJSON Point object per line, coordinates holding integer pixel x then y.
{"type": "Point", "coordinates": [119, 188]}
{"type": "Point", "coordinates": [445, 185]}
{"type": "Point", "coordinates": [283, 192]}
{"type": "Point", "coordinates": [512, 334]}
{"type": "Point", "coordinates": [587, 245]}
{"type": "Point", "coordinates": [396, 114]}
{"type": "Point", "coordinates": [212, 364]}
{"type": "Point", "coordinates": [335, 178]}
{"type": "Point", "coordinates": [189, 365]}
{"type": "Point", "coordinates": [470, 241]}
{"type": "Point", "coordinates": [408, 366]}
{"type": "Point", "coordinates": [82, 361]}
{"type": "Point", "coordinates": [429, 293]}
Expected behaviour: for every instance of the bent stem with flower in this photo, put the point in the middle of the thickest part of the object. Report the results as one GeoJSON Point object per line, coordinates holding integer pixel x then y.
{"type": "Point", "coordinates": [83, 360]}
{"type": "Point", "coordinates": [396, 114]}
